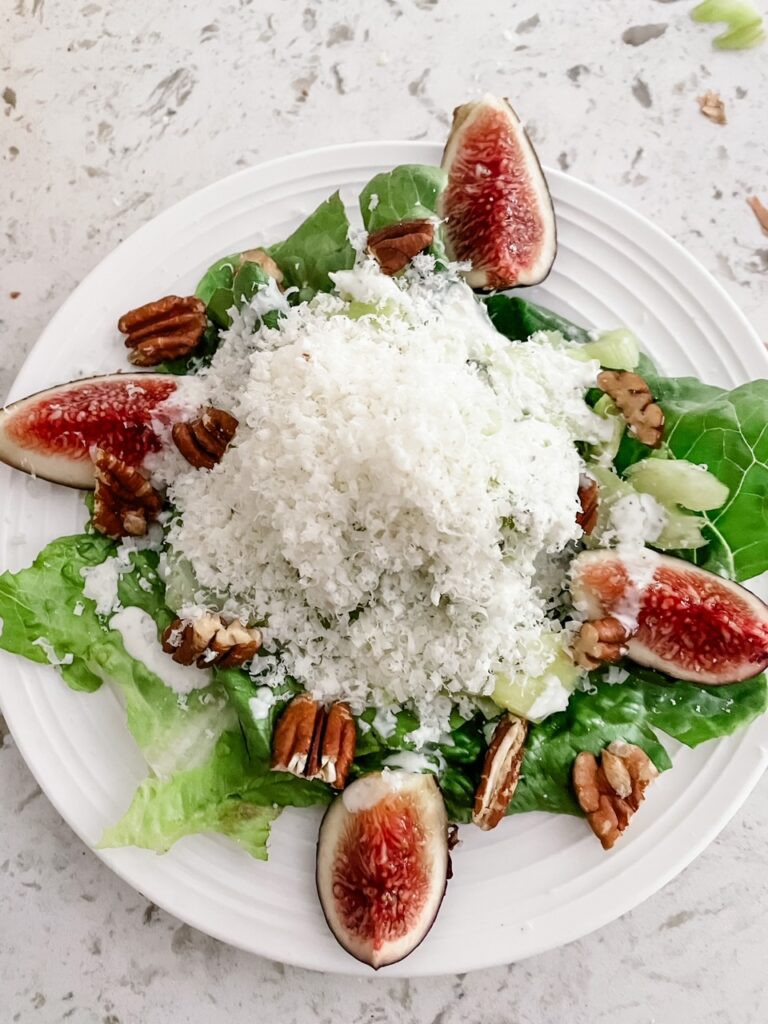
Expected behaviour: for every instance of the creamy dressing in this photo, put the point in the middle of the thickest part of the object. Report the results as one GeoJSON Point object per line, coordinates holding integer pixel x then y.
{"type": "Point", "coordinates": [372, 789]}
{"type": "Point", "coordinates": [47, 647]}
{"type": "Point", "coordinates": [139, 633]}
{"type": "Point", "coordinates": [413, 761]}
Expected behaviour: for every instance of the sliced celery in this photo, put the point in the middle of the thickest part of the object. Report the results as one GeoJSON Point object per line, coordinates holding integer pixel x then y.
{"type": "Point", "coordinates": [682, 531]}
{"type": "Point", "coordinates": [616, 350]}
{"type": "Point", "coordinates": [678, 482]}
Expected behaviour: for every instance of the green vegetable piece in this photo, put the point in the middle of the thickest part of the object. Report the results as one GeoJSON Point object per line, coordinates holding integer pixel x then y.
{"type": "Point", "coordinates": [518, 319]}
{"type": "Point", "coordinates": [408, 192]}
{"type": "Point", "coordinates": [745, 24]}
{"type": "Point", "coordinates": [682, 532]}
{"type": "Point", "coordinates": [215, 288]}
{"type": "Point", "coordinates": [206, 798]}
{"type": "Point", "coordinates": [616, 350]}
{"type": "Point", "coordinates": [590, 722]}
{"type": "Point", "coordinates": [727, 433]}
{"type": "Point", "coordinates": [678, 482]}
{"type": "Point", "coordinates": [40, 602]}
{"type": "Point", "coordinates": [694, 714]}
{"type": "Point", "coordinates": [316, 249]}
{"type": "Point", "coordinates": [605, 452]}
{"type": "Point", "coordinates": [520, 694]}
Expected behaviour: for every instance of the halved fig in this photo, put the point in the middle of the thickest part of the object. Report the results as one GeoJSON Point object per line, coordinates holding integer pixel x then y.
{"type": "Point", "coordinates": [382, 864]}
{"type": "Point", "coordinates": [687, 622]}
{"type": "Point", "coordinates": [50, 434]}
{"type": "Point", "coordinates": [496, 204]}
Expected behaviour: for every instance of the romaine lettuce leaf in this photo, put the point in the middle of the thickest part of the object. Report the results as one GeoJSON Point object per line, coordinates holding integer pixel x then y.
{"type": "Point", "coordinates": [264, 785]}
{"type": "Point", "coordinates": [206, 798]}
{"type": "Point", "coordinates": [317, 248]}
{"type": "Point", "coordinates": [41, 602]}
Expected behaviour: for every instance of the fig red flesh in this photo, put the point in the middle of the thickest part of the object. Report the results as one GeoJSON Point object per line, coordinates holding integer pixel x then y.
{"type": "Point", "coordinates": [382, 864]}
{"type": "Point", "coordinates": [497, 208]}
{"type": "Point", "coordinates": [690, 623]}
{"type": "Point", "coordinates": [380, 855]}
{"type": "Point", "coordinates": [51, 433]}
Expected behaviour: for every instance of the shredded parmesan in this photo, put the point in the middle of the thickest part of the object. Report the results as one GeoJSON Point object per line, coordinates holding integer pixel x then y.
{"type": "Point", "coordinates": [398, 480]}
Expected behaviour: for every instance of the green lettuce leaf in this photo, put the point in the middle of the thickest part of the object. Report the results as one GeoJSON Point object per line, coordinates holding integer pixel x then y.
{"type": "Point", "coordinates": [590, 722]}
{"type": "Point", "coordinates": [517, 319]}
{"type": "Point", "coordinates": [724, 430]}
{"type": "Point", "coordinates": [408, 192]}
{"type": "Point", "coordinates": [40, 602]}
{"type": "Point", "coordinates": [264, 785]}
{"type": "Point", "coordinates": [317, 248]}
{"type": "Point", "coordinates": [231, 282]}
{"type": "Point", "coordinates": [205, 798]}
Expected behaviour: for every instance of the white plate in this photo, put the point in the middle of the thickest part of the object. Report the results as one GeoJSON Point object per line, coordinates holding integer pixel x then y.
{"type": "Point", "coordinates": [537, 881]}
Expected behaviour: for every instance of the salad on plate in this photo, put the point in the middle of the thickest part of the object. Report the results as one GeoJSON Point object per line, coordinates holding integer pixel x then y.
{"type": "Point", "coordinates": [365, 530]}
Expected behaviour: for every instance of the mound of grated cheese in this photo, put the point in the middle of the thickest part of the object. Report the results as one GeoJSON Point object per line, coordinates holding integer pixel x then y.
{"type": "Point", "coordinates": [399, 480]}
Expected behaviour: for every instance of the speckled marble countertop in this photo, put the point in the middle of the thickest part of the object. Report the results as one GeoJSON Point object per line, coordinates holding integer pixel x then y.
{"type": "Point", "coordinates": [109, 113]}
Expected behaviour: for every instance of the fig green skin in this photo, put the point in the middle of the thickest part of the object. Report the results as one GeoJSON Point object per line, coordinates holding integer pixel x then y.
{"type": "Point", "coordinates": [493, 266]}
{"type": "Point", "coordinates": [327, 834]}
{"type": "Point", "coordinates": [746, 607]}
{"type": "Point", "coordinates": [58, 467]}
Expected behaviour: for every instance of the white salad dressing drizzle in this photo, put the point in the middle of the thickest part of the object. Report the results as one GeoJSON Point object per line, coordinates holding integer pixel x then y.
{"type": "Point", "coordinates": [139, 632]}
{"type": "Point", "coordinates": [415, 761]}
{"type": "Point", "coordinates": [371, 789]}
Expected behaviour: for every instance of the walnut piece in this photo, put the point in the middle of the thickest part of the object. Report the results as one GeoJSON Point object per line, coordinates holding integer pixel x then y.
{"type": "Point", "coordinates": [395, 245]}
{"type": "Point", "coordinates": [124, 501]}
{"type": "Point", "coordinates": [598, 641]}
{"type": "Point", "coordinates": [589, 501]}
{"type": "Point", "coordinates": [501, 772]}
{"type": "Point", "coordinates": [711, 105]}
{"type": "Point", "coordinates": [315, 742]}
{"type": "Point", "coordinates": [165, 329]}
{"type": "Point", "coordinates": [760, 211]}
{"type": "Point", "coordinates": [634, 399]}
{"type": "Point", "coordinates": [610, 792]}
{"type": "Point", "coordinates": [265, 261]}
{"type": "Point", "coordinates": [210, 640]}
{"type": "Point", "coordinates": [204, 440]}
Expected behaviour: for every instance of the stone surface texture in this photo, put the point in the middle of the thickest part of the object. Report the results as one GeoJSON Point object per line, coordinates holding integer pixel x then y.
{"type": "Point", "coordinates": [109, 112]}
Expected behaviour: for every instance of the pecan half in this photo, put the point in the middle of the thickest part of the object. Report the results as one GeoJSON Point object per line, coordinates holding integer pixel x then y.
{"type": "Point", "coordinates": [165, 329]}
{"type": "Point", "coordinates": [209, 641]}
{"type": "Point", "coordinates": [395, 245]}
{"type": "Point", "coordinates": [124, 501]}
{"type": "Point", "coordinates": [610, 792]}
{"type": "Point", "coordinates": [265, 261]}
{"type": "Point", "coordinates": [204, 440]}
{"type": "Point", "coordinates": [314, 742]}
{"type": "Point", "coordinates": [598, 641]}
{"type": "Point", "coordinates": [712, 106]}
{"type": "Point", "coordinates": [589, 501]}
{"type": "Point", "coordinates": [501, 772]}
{"type": "Point", "coordinates": [760, 211]}
{"type": "Point", "coordinates": [635, 401]}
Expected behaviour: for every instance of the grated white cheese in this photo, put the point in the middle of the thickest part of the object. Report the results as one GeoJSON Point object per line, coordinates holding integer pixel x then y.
{"type": "Point", "coordinates": [395, 485]}
{"type": "Point", "coordinates": [261, 704]}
